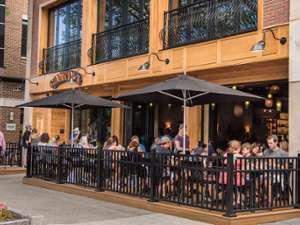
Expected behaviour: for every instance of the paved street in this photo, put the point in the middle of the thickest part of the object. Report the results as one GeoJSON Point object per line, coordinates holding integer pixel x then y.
{"type": "Point", "coordinates": [62, 208]}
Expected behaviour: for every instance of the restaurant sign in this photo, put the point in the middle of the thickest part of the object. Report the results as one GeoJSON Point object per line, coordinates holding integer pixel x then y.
{"type": "Point", "coordinates": [65, 76]}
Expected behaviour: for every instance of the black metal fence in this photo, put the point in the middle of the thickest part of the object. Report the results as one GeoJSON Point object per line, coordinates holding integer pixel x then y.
{"type": "Point", "coordinates": [208, 20]}
{"type": "Point", "coordinates": [12, 155]}
{"type": "Point", "coordinates": [61, 57]}
{"type": "Point", "coordinates": [124, 41]}
{"type": "Point", "coordinates": [225, 184]}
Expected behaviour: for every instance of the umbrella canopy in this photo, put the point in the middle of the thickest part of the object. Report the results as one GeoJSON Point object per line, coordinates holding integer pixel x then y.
{"type": "Point", "coordinates": [72, 98]}
{"type": "Point", "coordinates": [197, 92]}
{"type": "Point", "coordinates": [189, 91]}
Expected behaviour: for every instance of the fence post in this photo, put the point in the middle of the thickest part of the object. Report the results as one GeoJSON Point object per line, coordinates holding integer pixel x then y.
{"type": "Point", "coordinates": [100, 171]}
{"type": "Point", "coordinates": [29, 161]}
{"type": "Point", "coordinates": [297, 191]}
{"type": "Point", "coordinates": [19, 153]}
{"type": "Point", "coordinates": [154, 179]}
{"type": "Point", "coordinates": [59, 165]}
{"type": "Point", "coordinates": [229, 189]}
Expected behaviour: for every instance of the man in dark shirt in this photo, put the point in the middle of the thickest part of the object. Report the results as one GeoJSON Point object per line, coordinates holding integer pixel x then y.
{"type": "Point", "coordinates": [25, 143]}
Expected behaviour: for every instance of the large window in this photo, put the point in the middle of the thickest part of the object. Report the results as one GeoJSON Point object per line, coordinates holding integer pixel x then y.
{"type": "Point", "coordinates": [121, 12]}
{"type": "Point", "coordinates": [65, 23]}
{"type": "Point", "coordinates": [2, 31]}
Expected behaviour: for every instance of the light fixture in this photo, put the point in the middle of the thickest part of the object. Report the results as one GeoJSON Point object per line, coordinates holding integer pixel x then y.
{"type": "Point", "coordinates": [274, 89]}
{"type": "Point", "coordinates": [269, 103]}
{"type": "Point", "coordinates": [247, 104]}
{"type": "Point", "coordinates": [261, 45]}
{"type": "Point", "coordinates": [238, 110]}
{"type": "Point", "coordinates": [169, 106]}
{"type": "Point", "coordinates": [151, 104]}
{"type": "Point", "coordinates": [270, 95]}
{"type": "Point", "coordinates": [146, 65]}
{"type": "Point", "coordinates": [234, 87]}
{"type": "Point", "coordinates": [278, 105]}
{"type": "Point", "coordinates": [213, 106]}
{"type": "Point", "coordinates": [139, 106]}
{"type": "Point", "coordinates": [11, 116]}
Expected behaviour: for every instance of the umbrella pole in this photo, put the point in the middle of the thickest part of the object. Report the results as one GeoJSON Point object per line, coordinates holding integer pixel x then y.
{"type": "Point", "coordinates": [184, 122]}
{"type": "Point", "coordinates": [72, 124]}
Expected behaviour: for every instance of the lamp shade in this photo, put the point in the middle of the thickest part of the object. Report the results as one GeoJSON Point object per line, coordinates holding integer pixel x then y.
{"type": "Point", "coordinates": [145, 66]}
{"type": "Point", "coordinates": [259, 46]}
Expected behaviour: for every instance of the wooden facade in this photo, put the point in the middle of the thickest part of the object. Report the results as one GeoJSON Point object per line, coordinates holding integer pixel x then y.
{"type": "Point", "coordinates": [224, 61]}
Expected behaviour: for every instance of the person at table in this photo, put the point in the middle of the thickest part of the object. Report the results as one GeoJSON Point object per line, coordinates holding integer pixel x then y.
{"type": "Point", "coordinates": [115, 144]}
{"type": "Point", "coordinates": [272, 152]}
{"type": "Point", "coordinates": [256, 150]}
{"type": "Point", "coordinates": [165, 145]}
{"type": "Point", "coordinates": [179, 140]}
{"type": "Point", "coordinates": [141, 147]}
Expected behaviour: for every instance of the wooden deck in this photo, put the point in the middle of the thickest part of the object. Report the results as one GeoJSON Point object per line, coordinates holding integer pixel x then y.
{"type": "Point", "coordinates": [172, 209]}
{"type": "Point", "coordinates": [7, 170]}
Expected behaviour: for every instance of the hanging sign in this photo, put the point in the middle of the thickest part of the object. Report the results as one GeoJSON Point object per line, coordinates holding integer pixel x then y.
{"type": "Point", "coordinates": [65, 76]}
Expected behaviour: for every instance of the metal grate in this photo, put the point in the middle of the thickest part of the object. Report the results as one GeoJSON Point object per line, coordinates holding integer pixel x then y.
{"type": "Point", "coordinates": [124, 41]}
{"type": "Point", "coordinates": [208, 20]}
{"type": "Point", "coordinates": [61, 57]}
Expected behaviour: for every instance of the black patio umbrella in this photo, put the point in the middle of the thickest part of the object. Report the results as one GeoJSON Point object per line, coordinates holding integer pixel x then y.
{"type": "Point", "coordinates": [189, 91]}
{"type": "Point", "coordinates": [72, 99]}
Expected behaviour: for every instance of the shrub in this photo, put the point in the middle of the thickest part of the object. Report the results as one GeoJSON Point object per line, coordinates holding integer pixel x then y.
{"type": "Point", "coordinates": [5, 214]}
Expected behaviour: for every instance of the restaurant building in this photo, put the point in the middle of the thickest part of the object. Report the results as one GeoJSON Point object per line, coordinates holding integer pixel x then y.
{"type": "Point", "coordinates": [13, 52]}
{"type": "Point", "coordinates": [121, 45]}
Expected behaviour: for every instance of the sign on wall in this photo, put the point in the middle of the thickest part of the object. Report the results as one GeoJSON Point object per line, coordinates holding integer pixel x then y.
{"type": "Point", "coordinates": [10, 126]}
{"type": "Point", "coordinates": [65, 76]}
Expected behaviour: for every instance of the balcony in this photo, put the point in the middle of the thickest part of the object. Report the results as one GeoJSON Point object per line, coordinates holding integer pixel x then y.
{"type": "Point", "coordinates": [124, 41]}
{"type": "Point", "coordinates": [61, 57]}
{"type": "Point", "coordinates": [208, 20]}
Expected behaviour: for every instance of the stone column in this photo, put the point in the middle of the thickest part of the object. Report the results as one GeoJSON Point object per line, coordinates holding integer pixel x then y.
{"type": "Point", "coordinates": [28, 111]}
{"type": "Point", "coordinates": [294, 78]}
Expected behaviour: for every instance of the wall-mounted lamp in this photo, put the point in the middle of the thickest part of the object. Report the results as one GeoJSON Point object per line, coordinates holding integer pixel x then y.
{"type": "Point", "coordinates": [86, 72]}
{"type": "Point", "coordinates": [146, 65]}
{"type": "Point", "coordinates": [11, 116]}
{"type": "Point", "coordinates": [31, 82]}
{"type": "Point", "coordinates": [261, 45]}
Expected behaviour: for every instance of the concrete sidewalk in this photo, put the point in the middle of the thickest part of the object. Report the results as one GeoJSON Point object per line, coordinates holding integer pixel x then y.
{"type": "Point", "coordinates": [62, 208]}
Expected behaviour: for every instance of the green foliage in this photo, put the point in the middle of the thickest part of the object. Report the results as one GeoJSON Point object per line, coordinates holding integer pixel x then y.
{"type": "Point", "coordinates": [5, 215]}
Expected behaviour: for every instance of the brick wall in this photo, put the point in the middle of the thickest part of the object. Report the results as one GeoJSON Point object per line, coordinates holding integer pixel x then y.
{"type": "Point", "coordinates": [15, 65]}
{"type": "Point", "coordinates": [11, 89]}
{"type": "Point", "coordinates": [276, 12]}
{"type": "Point", "coordinates": [11, 136]}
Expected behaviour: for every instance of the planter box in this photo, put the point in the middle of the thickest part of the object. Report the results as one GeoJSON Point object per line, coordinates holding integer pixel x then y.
{"type": "Point", "coordinates": [17, 222]}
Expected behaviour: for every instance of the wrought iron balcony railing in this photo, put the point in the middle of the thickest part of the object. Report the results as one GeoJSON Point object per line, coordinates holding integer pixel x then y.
{"type": "Point", "coordinates": [61, 57]}
{"type": "Point", "coordinates": [208, 20]}
{"type": "Point", "coordinates": [124, 41]}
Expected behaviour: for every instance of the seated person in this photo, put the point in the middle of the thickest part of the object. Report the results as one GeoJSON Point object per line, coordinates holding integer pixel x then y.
{"type": "Point", "coordinates": [141, 147]}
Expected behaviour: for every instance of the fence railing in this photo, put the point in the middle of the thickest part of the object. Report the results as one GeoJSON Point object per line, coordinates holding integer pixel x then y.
{"type": "Point", "coordinates": [124, 41]}
{"type": "Point", "coordinates": [219, 183]}
{"type": "Point", "coordinates": [12, 155]}
{"type": "Point", "coordinates": [61, 57]}
{"type": "Point", "coordinates": [208, 20]}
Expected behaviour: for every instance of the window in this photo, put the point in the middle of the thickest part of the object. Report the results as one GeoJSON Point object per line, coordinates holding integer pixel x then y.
{"type": "Point", "coordinates": [2, 31]}
{"type": "Point", "coordinates": [65, 23]}
{"type": "Point", "coordinates": [24, 38]}
{"type": "Point", "coordinates": [121, 12]}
